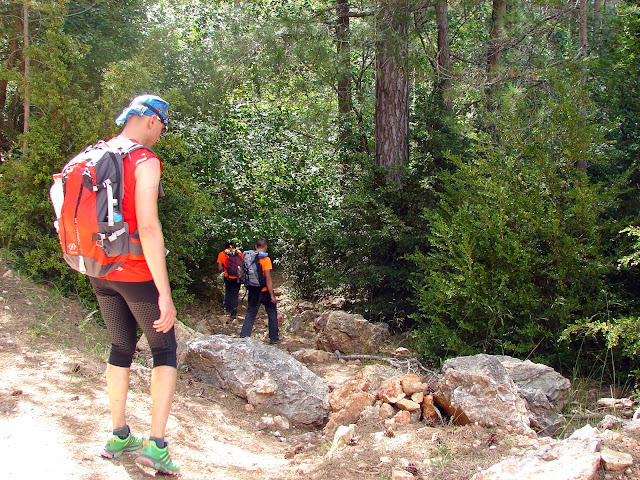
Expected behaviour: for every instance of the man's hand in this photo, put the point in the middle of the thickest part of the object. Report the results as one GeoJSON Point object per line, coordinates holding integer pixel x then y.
{"type": "Point", "coordinates": [168, 314]}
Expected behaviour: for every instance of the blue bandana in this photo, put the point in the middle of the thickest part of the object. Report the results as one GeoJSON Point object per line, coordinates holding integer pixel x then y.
{"type": "Point", "coordinates": [145, 105]}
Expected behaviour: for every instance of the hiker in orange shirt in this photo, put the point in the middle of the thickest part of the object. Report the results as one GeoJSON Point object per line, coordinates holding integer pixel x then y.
{"type": "Point", "coordinates": [229, 260]}
{"type": "Point", "coordinates": [262, 294]}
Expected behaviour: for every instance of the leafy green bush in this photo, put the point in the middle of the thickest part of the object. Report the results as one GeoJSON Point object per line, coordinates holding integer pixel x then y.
{"type": "Point", "coordinates": [633, 259]}
{"type": "Point", "coordinates": [620, 333]}
{"type": "Point", "coordinates": [514, 252]}
{"type": "Point", "coordinates": [359, 251]}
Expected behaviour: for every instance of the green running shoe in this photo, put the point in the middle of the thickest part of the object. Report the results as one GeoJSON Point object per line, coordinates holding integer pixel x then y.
{"type": "Point", "coordinates": [116, 446]}
{"type": "Point", "coordinates": [157, 458]}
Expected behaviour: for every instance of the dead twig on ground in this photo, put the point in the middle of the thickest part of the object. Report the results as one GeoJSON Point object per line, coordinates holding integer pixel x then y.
{"type": "Point", "coordinates": [410, 365]}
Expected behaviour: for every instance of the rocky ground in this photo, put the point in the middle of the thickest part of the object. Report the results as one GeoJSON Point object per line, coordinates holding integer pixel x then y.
{"type": "Point", "coordinates": [54, 414]}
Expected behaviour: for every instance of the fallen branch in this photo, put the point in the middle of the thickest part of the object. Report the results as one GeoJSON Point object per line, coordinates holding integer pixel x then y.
{"type": "Point", "coordinates": [411, 365]}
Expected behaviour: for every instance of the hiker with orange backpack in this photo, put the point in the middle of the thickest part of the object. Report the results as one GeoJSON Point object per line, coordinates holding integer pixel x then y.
{"type": "Point", "coordinates": [231, 264]}
{"type": "Point", "coordinates": [109, 229]}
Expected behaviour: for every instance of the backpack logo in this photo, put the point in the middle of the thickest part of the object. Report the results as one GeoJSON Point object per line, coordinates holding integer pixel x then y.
{"type": "Point", "coordinates": [94, 238]}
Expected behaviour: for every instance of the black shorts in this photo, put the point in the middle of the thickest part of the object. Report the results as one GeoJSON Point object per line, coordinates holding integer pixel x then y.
{"type": "Point", "coordinates": [124, 305]}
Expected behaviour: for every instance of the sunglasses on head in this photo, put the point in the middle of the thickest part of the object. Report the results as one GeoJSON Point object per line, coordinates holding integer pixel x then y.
{"type": "Point", "coordinates": [164, 121]}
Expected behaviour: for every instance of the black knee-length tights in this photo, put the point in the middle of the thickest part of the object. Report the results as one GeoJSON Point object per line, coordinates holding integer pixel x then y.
{"type": "Point", "coordinates": [123, 306]}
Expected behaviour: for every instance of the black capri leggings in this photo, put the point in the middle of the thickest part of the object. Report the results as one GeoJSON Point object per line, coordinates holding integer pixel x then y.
{"type": "Point", "coordinates": [125, 304]}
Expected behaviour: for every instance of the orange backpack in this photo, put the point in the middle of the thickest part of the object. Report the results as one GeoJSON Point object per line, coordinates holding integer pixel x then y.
{"type": "Point", "coordinates": [94, 237]}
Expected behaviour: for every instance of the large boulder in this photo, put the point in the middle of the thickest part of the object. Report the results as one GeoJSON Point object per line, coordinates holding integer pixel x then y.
{"type": "Point", "coordinates": [478, 389]}
{"type": "Point", "coordinates": [268, 378]}
{"type": "Point", "coordinates": [536, 376]}
{"type": "Point", "coordinates": [576, 458]}
{"type": "Point", "coordinates": [545, 391]}
{"type": "Point", "coordinates": [339, 330]}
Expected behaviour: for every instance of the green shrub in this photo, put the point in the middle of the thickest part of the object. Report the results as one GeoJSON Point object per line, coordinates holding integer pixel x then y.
{"type": "Point", "coordinates": [514, 252]}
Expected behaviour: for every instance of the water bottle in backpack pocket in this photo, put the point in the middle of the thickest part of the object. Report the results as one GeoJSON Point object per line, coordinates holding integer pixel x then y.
{"type": "Point", "coordinates": [236, 263]}
{"type": "Point", "coordinates": [94, 237]}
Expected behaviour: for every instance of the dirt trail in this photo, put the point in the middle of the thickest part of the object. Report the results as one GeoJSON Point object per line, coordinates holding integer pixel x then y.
{"type": "Point", "coordinates": [54, 413]}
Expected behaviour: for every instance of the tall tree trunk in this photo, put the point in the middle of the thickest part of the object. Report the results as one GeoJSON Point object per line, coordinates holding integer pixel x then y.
{"type": "Point", "coordinates": [597, 21]}
{"type": "Point", "coordinates": [444, 51]}
{"type": "Point", "coordinates": [496, 45]}
{"type": "Point", "coordinates": [582, 27]}
{"type": "Point", "coordinates": [392, 88]}
{"type": "Point", "coordinates": [343, 45]}
{"type": "Point", "coordinates": [25, 46]}
{"type": "Point", "coordinates": [496, 34]}
{"type": "Point", "coordinates": [583, 44]}
{"type": "Point", "coordinates": [11, 63]}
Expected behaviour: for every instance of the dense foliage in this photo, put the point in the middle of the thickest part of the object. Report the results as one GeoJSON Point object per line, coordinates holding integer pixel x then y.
{"type": "Point", "coordinates": [515, 241]}
{"type": "Point", "coordinates": [512, 224]}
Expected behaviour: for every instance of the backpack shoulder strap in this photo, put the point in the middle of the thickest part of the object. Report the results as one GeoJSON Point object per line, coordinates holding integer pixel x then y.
{"type": "Point", "coordinates": [125, 146]}
{"type": "Point", "coordinates": [256, 260]}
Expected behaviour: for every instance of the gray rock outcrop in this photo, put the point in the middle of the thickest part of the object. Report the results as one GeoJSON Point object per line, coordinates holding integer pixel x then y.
{"type": "Point", "coordinates": [301, 321]}
{"type": "Point", "coordinates": [339, 330]}
{"type": "Point", "coordinates": [268, 378]}
{"type": "Point", "coordinates": [576, 458]}
{"type": "Point", "coordinates": [543, 415]}
{"type": "Point", "coordinates": [545, 391]}
{"type": "Point", "coordinates": [537, 376]}
{"type": "Point", "coordinates": [478, 388]}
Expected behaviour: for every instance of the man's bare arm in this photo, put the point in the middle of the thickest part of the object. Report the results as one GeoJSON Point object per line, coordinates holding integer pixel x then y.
{"type": "Point", "coordinates": [147, 177]}
{"type": "Point", "coordinates": [267, 277]}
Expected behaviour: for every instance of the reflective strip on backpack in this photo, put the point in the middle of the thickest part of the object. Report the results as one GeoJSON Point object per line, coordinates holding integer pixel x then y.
{"type": "Point", "coordinates": [100, 237]}
{"type": "Point", "coordinates": [116, 234]}
{"type": "Point", "coordinates": [110, 202]}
